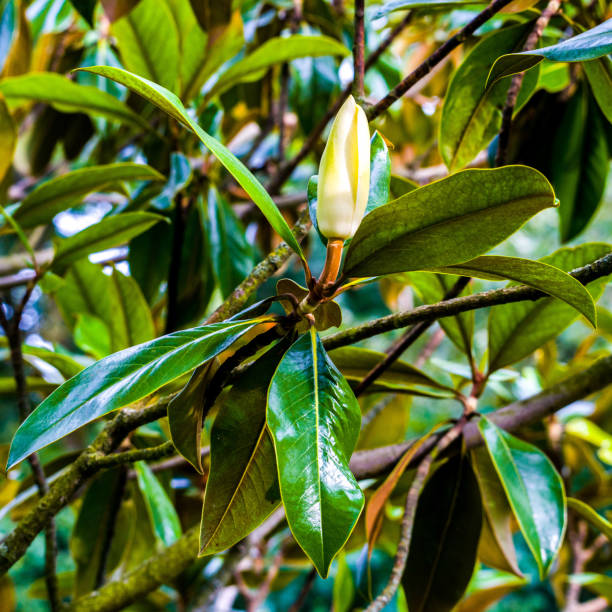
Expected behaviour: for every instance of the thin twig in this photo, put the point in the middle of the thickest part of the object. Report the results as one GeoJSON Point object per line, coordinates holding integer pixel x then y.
{"type": "Point", "coordinates": [359, 50]}
{"type": "Point", "coordinates": [517, 81]}
{"type": "Point", "coordinates": [301, 598]}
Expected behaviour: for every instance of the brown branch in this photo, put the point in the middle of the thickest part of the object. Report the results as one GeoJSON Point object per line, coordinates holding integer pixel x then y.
{"type": "Point", "coordinates": [515, 86]}
{"type": "Point", "coordinates": [443, 51]}
{"type": "Point", "coordinates": [585, 274]}
{"type": "Point", "coordinates": [359, 50]}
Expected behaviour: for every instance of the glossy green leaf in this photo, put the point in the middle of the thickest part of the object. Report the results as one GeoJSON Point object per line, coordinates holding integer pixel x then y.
{"type": "Point", "coordinates": [65, 364]}
{"type": "Point", "coordinates": [430, 5]}
{"type": "Point", "coordinates": [473, 211]}
{"type": "Point", "coordinates": [516, 330]}
{"type": "Point", "coordinates": [169, 103]}
{"type": "Point", "coordinates": [534, 490]}
{"type": "Point", "coordinates": [143, 49]}
{"type": "Point", "coordinates": [314, 420]}
{"type": "Point", "coordinates": [8, 138]}
{"type": "Point", "coordinates": [487, 587]}
{"type": "Point", "coordinates": [95, 522]}
{"type": "Point", "coordinates": [591, 515]}
{"type": "Point", "coordinates": [601, 584]}
{"type": "Point", "coordinates": [380, 173]}
{"type": "Point", "coordinates": [119, 380]}
{"type": "Point", "coordinates": [242, 487]}
{"type": "Point", "coordinates": [599, 75]}
{"type": "Point", "coordinates": [589, 45]}
{"type": "Point", "coordinates": [110, 232]}
{"type": "Point", "coordinates": [536, 274]}
{"type": "Point", "coordinates": [355, 363]}
{"type": "Point", "coordinates": [65, 191]}
{"type": "Point", "coordinates": [275, 51]}
{"type": "Point", "coordinates": [67, 96]}
{"type": "Point", "coordinates": [496, 547]}
{"type": "Point", "coordinates": [579, 163]}
{"type": "Point", "coordinates": [471, 115]}
{"type": "Point", "coordinates": [444, 539]}
{"type": "Point", "coordinates": [165, 519]}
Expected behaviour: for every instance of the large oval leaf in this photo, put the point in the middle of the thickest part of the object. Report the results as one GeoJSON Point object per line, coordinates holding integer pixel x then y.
{"type": "Point", "coordinates": [444, 539]}
{"type": "Point", "coordinates": [119, 380]}
{"type": "Point", "coordinates": [65, 191]}
{"type": "Point", "coordinates": [169, 103]}
{"type": "Point", "coordinates": [534, 490]}
{"type": "Point", "coordinates": [594, 43]}
{"type": "Point", "coordinates": [242, 487]}
{"type": "Point", "coordinates": [447, 222]}
{"type": "Point", "coordinates": [536, 274]}
{"type": "Point", "coordinates": [516, 330]}
{"type": "Point", "coordinates": [472, 112]}
{"type": "Point", "coordinates": [314, 420]}
{"type": "Point", "coordinates": [68, 96]}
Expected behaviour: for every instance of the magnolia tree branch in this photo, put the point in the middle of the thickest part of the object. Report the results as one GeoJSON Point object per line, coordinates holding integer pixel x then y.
{"type": "Point", "coordinates": [429, 312]}
{"type": "Point", "coordinates": [359, 50]}
{"type": "Point", "coordinates": [517, 80]}
{"type": "Point", "coordinates": [167, 564]}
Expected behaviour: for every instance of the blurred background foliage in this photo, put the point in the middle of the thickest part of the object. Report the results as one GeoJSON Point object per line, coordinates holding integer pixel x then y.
{"type": "Point", "coordinates": [264, 110]}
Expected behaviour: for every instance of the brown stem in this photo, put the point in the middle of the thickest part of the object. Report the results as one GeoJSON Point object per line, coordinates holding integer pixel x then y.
{"type": "Point", "coordinates": [515, 86]}
{"type": "Point", "coordinates": [407, 340]}
{"type": "Point", "coordinates": [452, 43]}
{"type": "Point", "coordinates": [358, 50]}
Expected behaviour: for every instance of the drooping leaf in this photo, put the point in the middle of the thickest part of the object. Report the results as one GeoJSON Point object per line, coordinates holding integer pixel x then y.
{"type": "Point", "coordinates": [65, 191]}
{"type": "Point", "coordinates": [496, 547]}
{"type": "Point", "coordinates": [516, 330]}
{"type": "Point", "coordinates": [272, 52]}
{"type": "Point", "coordinates": [314, 420]}
{"type": "Point", "coordinates": [8, 138]}
{"type": "Point", "coordinates": [599, 75]}
{"type": "Point", "coordinates": [589, 45]}
{"type": "Point", "coordinates": [534, 490]}
{"type": "Point", "coordinates": [165, 519]}
{"type": "Point", "coordinates": [169, 103]}
{"type": "Point", "coordinates": [380, 173]}
{"type": "Point", "coordinates": [242, 487]}
{"type": "Point", "coordinates": [472, 112]}
{"type": "Point", "coordinates": [119, 380]}
{"type": "Point", "coordinates": [579, 163]}
{"type": "Point", "coordinates": [444, 539]}
{"type": "Point", "coordinates": [67, 96]}
{"type": "Point", "coordinates": [591, 515]}
{"type": "Point", "coordinates": [473, 210]}
{"type": "Point", "coordinates": [111, 231]}
{"type": "Point", "coordinates": [143, 50]}
{"type": "Point", "coordinates": [542, 276]}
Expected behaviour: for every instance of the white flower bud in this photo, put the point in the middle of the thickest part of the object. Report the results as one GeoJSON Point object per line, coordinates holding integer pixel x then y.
{"type": "Point", "coordinates": [344, 174]}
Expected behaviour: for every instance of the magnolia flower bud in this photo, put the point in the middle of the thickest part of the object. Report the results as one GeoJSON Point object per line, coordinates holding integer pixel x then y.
{"type": "Point", "coordinates": [344, 174]}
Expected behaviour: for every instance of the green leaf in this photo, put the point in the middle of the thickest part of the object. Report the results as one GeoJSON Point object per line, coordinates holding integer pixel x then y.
{"type": "Point", "coordinates": [380, 173]}
{"type": "Point", "coordinates": [275, 51]}
{"type": "Point", "coordinates": [579, 163]}
{"type": "Point", "coordinates": [69, 97]}
{"type": "Point", "coordinates": [95, 522]}
{"type": "Point", "coordinates": [589, 45]}
{"type": "Point", "coordinates": [599, 76]}
{"type": "Point", "coordinates": [400, 185]}
{"type": "Point", "coordinates": [355, 363]}
{"type": "Point", "coordinates": [65, 191]}
{"type": "Point", "coordinates": [169, 103]}
{"type": "Point", "coordinates": [516, 330]}
{"type": "Point", "coordinates": [118, 380]}
{"type": "Point", "coordinates": [471, 115]}
{"type": "Point", "coordinates": [591, 515]}
{"type": "Point", "coordinates": [430, 5]}
{"type": "Point", "coordinates": [534, 490]}
{"type": "Point", "coordinates": [536, 274]}
{"type": "Point", "coordinates": [597, 583]}
{"type": "Point", "coordinates": [178, 178]}
{"type": "Point", "coordinates": [92, 335]}
{"type": "Point", "coordinates": [242, 487]}
{"type": "Point", "coordinates": [165, 519]}
{"type": "Point", "coordinates": [473, 211]}
{"type": "Point", "coordinates": [8, 138]}
{"type": "Point", "coordinates": [496, 547]}
{"type": "Point", "coordinates": [111, 231]}
{"type": "Point", "coordinates": [444, 539]}
{"type": "Point", "coordinates": [314, 420]}
{"type": "Point", "coordinates": [143, 48]}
